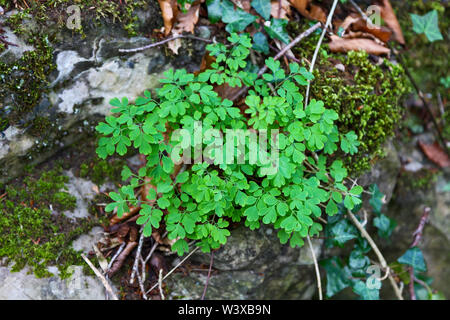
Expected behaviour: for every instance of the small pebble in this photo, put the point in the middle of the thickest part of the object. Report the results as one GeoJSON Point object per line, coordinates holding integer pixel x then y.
{"type": "Point", "coordinates": [340, 67]}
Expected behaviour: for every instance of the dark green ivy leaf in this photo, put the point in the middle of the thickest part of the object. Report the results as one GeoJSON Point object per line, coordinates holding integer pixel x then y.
{"type": "Point", "coordinates": [277, 30]}
{"type": "Point", "coordinates": [361, 289]}
{"type": "Point", "coordinates": [414, 258]}
{"type": "Point", "coordinates": [376, 200]}
{"type": "Point", "coordinates": [338, 275]}
{"type": "Point", "coordinates": [262, 7]}
{"type": "Point", "coordinates": [237, 20]}
{"type": "Point", "coordinates": [385, 225]}
{"type": "Point", "coordinates": [260, 42]}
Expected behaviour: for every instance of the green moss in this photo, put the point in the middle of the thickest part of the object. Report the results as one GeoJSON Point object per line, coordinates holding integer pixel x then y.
{"type": "Point", "coordinates": [91, 11]}
{"type": "Point", "coordinates": [23, 82]}
{"type": "Point", "coordinates": [99, 170]}
{"type": "Point", "coordinates": [30, 234]}
{"type": "Point", "coordinates": [366, 96]}
{"type": "Point", "coordinates": [410, 181]}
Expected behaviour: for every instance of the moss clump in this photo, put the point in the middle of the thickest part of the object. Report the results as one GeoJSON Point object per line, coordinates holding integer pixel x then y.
{"type": "Point", "coordinates": [365, 95]}
{"type": "Point", "coordinates": [23, 82]}
{"type": "Point", "coordinates": [30, 234]}
{"type": "Point", "coordinates": [421, 179]}
{"type": "Point", "coordinates": [91, 11]}
{"type": "Point", "coordinates": [99, 170]}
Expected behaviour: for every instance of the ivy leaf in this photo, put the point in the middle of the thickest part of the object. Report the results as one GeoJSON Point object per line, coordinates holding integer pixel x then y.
{"type": "Point", "coordinates": [214, 10]}
{"type": "Point", "coordinates": [338, 275]}
{"type": "Point", "coordinates": [237, 20]}
{"type": "Point", "coordinates": [277, 30]}
{"type": "Point", "coordinates": [414, 258]}
{"type": "Point", "coordinates": [358, 261]}
{"type": "Point", "coordinates": [427, 24]}
{"type": "Point", "coordinates": [376, 200]}
{"type": "Point", "coordinates": [342, 232]}
{"type": "Point", "coordinates": [262, 7]}
{"type": "Point", "coordinates": [361, 289]}
{"type": "Point", "coordinates": [385, 225]}
{"type": "Point", "coordinates": [260, 43]}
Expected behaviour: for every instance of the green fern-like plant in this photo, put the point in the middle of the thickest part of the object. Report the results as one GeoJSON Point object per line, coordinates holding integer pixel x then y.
{"type": "Point", "coordinates": [200, 202]}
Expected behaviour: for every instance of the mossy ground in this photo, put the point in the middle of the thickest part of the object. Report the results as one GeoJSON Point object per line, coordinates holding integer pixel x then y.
{"type": "Point", "coordinates": [366, 95]}
{"type": "Point", "coordinates": [91, 11]}
{"type": "Point", "coordinates": [31, 233]}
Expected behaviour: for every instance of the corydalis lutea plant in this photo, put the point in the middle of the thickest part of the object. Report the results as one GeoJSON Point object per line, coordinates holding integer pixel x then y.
{"type": "Point", "coordinates": [201, 201]}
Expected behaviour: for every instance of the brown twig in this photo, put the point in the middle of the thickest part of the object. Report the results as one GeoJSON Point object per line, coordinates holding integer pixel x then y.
{"type": "Point", "coordinates": [176, 267]}
{"type": "Point", "coordinates": [417, 237]}
{"type": "Point", "coordinates": [101, 277]}
{"type": "Point", "coordinates": [138, 255]}
{"type": "Point", "coordinates": [209, 275]}
{"type": "Point", "coordinates": [155, 44]}
{"type": "Point", "coordinates": [316, 267]}
{"type": "Point", "coordinates": [121, 258]}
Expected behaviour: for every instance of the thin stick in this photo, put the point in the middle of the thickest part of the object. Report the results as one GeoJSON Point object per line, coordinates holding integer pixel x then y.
{"type": "Point", "coordinates": [176, 267]}
{"type": "Point", "coordinates": [209, 275]}
{"type": "Point", "coordinates": [136, 260]}
{"type": "Point", "coordinates": [417, 237]}
{"type": "Point", "coordinates": [155, 44]}
{"type": "Point", "coordinates": [319, 43]}
{"type": "Point", "coordinates": [316, 266]}
{"type": "Point", "coordinates": [363, 15]}
{"type": "Point", "coordinates": [160, 280]}
{"type": "Point", "coordinates": [116, 255]}
{"type": "Point", "coordinates": [101, 277]}
{"type": "Point", "coordinates": [141, 286]}
{"type": "Point", "coordinates": [383, 263]}
{"type": "Point", "coordinates": [280, 54]}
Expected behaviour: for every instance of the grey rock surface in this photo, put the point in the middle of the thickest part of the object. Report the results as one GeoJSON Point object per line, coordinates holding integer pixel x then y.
{"type": "Point", "coordinates": [89, 72]}
{"type": "Point", "coordinates": [252, 265]}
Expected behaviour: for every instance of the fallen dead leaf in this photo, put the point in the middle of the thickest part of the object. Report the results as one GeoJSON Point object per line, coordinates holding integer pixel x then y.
{"type": "Point", "coordinates": [435, 153]}
{"type": "Point", "coordinates": [311, 11]}
{"type": "Point", "coordinates": [185, 22]}
{"type": "Point", "coordinates": [95, 189]}
{"type": "Point", "coordinates": [388, 15]}
{"type": "Point", "coordinates": [356, 23]}
{"type": "Point", "coordinates": [169, 10]}
{"type": "Point", "coordinates": [281, 13]}
{"type": "Point", "coordinates": [338, 44]}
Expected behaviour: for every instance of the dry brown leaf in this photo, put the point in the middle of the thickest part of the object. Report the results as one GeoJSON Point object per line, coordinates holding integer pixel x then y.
{"type": "Point", "coordinates": [435, 153]}
{"type": "Point", "coordinates": [388, 15]}
{"type": "Point", "coordinates": [169, 10]}
{"type": "Point", "coordinates": [275, 9]}
{"type": "Point", "coordinates": [185, 22]}
{"type": "Point", "coordinates": [338, 44]}
{"type": "Point", "coordinates": [356, 23]}
{"type": "Point", "coordinates": [311, 11]}
{"type": "Point", "coordinates": [174, 45]}
{"type": "Point", "coordinates": [115, 219]}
